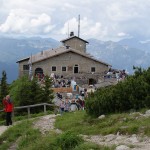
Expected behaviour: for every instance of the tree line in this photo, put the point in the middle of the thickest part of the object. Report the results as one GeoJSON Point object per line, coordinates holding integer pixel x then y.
{"type": "Point", "coordinates": [131, 94]}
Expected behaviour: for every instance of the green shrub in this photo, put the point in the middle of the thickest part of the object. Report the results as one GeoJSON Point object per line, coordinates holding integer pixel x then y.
{"type": "Point", "coordinates": [132, 93]}
{"type": "Point", "coordinates": [69, 140]}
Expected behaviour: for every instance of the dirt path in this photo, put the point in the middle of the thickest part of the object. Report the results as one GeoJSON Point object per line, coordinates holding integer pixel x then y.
{"type": "Point", "coordinates": [46, 123]}
{"type": "Point", "coordinates": [3, 129]}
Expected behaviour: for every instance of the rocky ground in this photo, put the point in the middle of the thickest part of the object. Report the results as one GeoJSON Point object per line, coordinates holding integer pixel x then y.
{"type": "Point", "coordinates": [46, 123]}
{"type": "Point", "coordinates": [123, 142]}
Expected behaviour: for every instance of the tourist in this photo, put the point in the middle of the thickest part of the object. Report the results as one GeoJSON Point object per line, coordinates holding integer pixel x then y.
{"type": "Point", "coordinates": [8, 108]}
{"type": "Point", "coordinates": [118, 76]}
{"type": "Point", "coordinates": [73, 105]}
{"type": "Point", "coordinates": [62, 106]}
{"type": "Point", "coordinates": [67, 106]}
{"type": "Point", "coordinates": [81, 103]}
{"type": "Point", "coordinates": [78, 104]}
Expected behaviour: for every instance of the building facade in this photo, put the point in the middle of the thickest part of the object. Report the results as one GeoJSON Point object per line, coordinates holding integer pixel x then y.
{"type": "Point", "coordinates": [69, 60]}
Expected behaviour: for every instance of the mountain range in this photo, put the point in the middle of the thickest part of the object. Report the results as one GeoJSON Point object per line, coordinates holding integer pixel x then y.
{"type": "Point", "coordinates": [123, 54]}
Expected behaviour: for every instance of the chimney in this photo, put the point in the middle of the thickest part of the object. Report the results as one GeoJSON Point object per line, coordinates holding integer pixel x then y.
{"type": "Point", "coordinates": [71, 33]}
{"type": "Point", "coordinates": [67, 46]}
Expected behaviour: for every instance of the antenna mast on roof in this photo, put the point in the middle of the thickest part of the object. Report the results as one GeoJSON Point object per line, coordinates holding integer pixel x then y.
{"type": "Point", "coordinates": [68, 29]}
{"type": "Point", "coordinates": [79, 26]}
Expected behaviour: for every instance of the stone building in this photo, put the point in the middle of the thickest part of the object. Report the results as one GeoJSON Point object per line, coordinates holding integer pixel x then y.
{"type": "Point", "coordinates": [70, 60]}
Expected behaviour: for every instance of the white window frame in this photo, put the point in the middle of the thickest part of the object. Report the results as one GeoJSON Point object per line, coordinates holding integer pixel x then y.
{"type": "Point", "coordinates": [76, 65]}
{"type": "Point", "coordinates": [52, 68]}
{"type": "Point", "coordinates": [92, 68]}
{"type": "Point", "coordinates": [62, 69]}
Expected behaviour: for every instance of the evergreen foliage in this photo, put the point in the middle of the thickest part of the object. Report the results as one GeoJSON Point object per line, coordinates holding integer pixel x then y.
{"type": "Point", "coordinates": [28, 92]}
{"type": "Point", "coordinates": [131, 94]}
{"type": "Point", "coordinates": [47, 91]}
{"type": "Point", "coordinates": [3, 86]}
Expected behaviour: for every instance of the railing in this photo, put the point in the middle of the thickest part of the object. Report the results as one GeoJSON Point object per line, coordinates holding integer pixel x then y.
{"type": "Point", "coordinates": [31, 106]}
{"type": "Point", "coordinates": [62, 89]}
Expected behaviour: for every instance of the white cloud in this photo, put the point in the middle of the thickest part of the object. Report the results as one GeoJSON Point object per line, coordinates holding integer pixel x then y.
{"type": "Point", "coordinates": [21, 21]}
{"type": "Point", "coordinates": [122, 34]}
{"type": "Point", "coordinates": [145, 42]}
{"type": "Point", "coordinates": [43, 19]}
{"type": "Point", "coordinates": [100, 19]}
{"type": "Point", "coordinates": [88, 29]}
{"type": "Point", "coordinates": [70, 25]}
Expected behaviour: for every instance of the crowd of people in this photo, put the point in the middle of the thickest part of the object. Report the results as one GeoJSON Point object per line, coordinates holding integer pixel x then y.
{"type": "Point", "coordinates": [72, 102]}
{"type": "Point", "coordinates": [71, 105]}
{"type": "Point", "coordinates": [118, 74]}
{"type": "Point", "coordinates": [57, 80]}
{"type": "Point", "coordinates": [60, 81]}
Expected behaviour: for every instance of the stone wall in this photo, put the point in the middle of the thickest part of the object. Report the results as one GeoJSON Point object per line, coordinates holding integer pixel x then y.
{"type": "Point", "coordinates": [69, 60]}
{"type": "Point", "coordinates": [76, 44]}
{"type": "Point", "coordinates": [21, 71]}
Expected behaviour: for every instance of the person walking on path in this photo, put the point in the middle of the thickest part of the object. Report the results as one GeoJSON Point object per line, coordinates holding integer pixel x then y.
{"type": "Point", "coordinates": [62, 106]}
{"type": "Point", "coordinates": [67, 106]}
{"type": "Point", "coordinates": [8, 108]}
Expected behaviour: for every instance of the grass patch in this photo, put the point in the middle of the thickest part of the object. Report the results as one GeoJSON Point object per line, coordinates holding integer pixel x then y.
{"type": "Point", "coordinates": [69, 140]}
{"type": "Point", "coordinates": [31, 139]}
{"type": "Point", "coordinates": [73, 124]}
{"type": "Point", "coordinates": [66, 141]}
{"type": "Point", "coordinates": [47, 142]}
{"type": "Point", "coordinates": [91, 146]}
{"type": "Point", "coordinates": [28, 138]}
{"type": "Point", "coordinates": [13, 133]}
{"type": "Point", "coordinates": [124, 123]}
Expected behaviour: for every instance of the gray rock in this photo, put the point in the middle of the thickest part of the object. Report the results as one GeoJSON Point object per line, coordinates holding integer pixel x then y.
{"type": "Point", "coordinates": [147, 112]}
{"type": "Point", "coordinates": [133, 139]}
{"type": "Point", "coordinates": [101, 117]}
{"type": "Point", "coordinates": [110, 137]}
{"type": "Point", "coordinates": [122, 147]}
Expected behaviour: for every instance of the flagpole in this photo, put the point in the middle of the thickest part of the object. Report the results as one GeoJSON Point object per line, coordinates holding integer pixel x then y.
{"type": "Point", "coordinates": [30, 67]}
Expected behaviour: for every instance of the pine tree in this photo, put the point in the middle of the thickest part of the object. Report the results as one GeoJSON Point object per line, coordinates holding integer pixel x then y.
{"type": "Point", "coordinates": [4, 85]}
{"type": "Point", "coordinates": [27, 92]}
{"type": "Point", "coordinates": [47, 91]}
{"type": "Point", "coordinates": [35, 92]}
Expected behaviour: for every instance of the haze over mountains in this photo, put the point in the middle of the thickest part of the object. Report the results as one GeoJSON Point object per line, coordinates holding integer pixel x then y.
{"type": "Point", "coordinates": [121, 55]}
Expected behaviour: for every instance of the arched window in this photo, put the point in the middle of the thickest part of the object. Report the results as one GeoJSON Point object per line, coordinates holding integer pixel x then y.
{"type": "Point", "coordinates": [38, 71]}
{"type": "Point", "coordinates": [92, 81]}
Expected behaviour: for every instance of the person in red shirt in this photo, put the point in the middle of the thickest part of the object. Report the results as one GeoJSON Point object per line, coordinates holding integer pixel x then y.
{"type": "Point", "coordinates": [8, 108]}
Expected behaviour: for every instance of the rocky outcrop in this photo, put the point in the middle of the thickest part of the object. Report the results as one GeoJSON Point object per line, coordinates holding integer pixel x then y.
{"type": "Point", "coordinates": [134, 141]}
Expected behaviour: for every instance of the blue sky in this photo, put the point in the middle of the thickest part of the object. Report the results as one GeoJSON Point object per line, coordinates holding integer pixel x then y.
{"type": "Point", "coordinates": [100, 19]}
